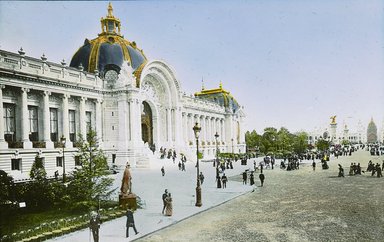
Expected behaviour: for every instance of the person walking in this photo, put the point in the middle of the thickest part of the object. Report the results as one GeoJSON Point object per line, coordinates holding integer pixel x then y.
{"type": "Point", "coordinates": [218, 179]}
{"type": "Point", "coordinates": [245, 177]}
{"type": "Point", "coordinates": [341, 171]}
{"type": "Point", "coordinates": [201, 177]}
{"type": "Point", "coordinates": [251, 179]}
{"type": "Point", "coordinates": [168, 205]}
{"type": "Point", "coordinates": [165, 195]}
{"type": "Point", "coordinates": [130, 222]}
{"type": "Point", "coordinates": [94, 225]}
{"type": "Point", "coordinates": [262, 178]}
{"type": "Point", "coordinates": [313, 165]}
{"type": "Point", "coordinates": [224, 179]}
{"type": "Point", "coordinates": [162, 171]}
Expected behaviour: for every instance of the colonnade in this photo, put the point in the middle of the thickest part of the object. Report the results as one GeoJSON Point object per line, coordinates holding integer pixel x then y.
{"type": "Point", "coordinates": [209, 126]}
{"type": "Point", "coordinates": [44, 128]}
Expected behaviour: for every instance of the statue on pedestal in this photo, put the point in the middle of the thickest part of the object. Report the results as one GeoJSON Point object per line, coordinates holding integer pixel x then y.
{"type": "Point", "coordinates": [126, 183]}
{"type": "Point", "coordinates": [126, 197]}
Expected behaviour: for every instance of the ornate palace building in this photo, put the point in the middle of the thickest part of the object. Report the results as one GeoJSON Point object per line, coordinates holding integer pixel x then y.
{"type": "Point", "coordinates": [110, 86]}
{"type": "Point", "coordinates": [337, 135]}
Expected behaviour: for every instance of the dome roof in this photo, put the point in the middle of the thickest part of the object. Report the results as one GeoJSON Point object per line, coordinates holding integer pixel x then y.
{"type": "Point", "coordinates": [220, 96]}
{"type": "Point", "coordinates": [109, 50]}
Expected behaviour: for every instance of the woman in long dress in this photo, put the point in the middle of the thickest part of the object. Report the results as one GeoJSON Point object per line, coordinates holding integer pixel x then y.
{"type": "Point", "coordinates": [168, 208]}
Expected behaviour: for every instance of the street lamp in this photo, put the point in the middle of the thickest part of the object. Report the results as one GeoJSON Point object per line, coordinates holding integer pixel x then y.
{"type": "Point", "coordinates": [232, 146]}
{"type": "Point", "coordinates": [217, 150]}
{"type": "Point", "coordinates": [63, 141]}
{"type": "Point", "coordinates": [196, 130]}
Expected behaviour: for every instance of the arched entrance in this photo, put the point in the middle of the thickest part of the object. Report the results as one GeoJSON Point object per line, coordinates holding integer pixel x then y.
{"type": "Point", "coordinates": [146, 124]}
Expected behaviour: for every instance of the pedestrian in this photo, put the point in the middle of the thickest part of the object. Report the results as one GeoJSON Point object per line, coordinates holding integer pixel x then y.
{"type": "Point", "coordinates": [218, 179]}
{"type": "Point", "coordinates": [130, 222]}
{"type": "Point", "coordinates": [201, 176]}
{"type": "Point", "coordinates": [378, 170]}
{"type": "Point", "coordinates": [179, 165]}
{"type": "Point", "coordinates": [165, 195]}
{"type": "Point", "coordinates": [183, 166]}
{"type": "Point", "coordinates": [314, 165]}
{"type": "Point", "coordinates": [56, 174]}
{"type": "Point", "coordinates": [251, 179]}
{"type": "Point", "coordinates": [245, 177]}
{"type": "Point", "coordinates": [168, 207]}
{"type": "Point", "coordinates": [162, 171]}
{"type": "Point", "coordinates": [262, 178]}
{"type": "Point", "coordinates": [341, 171]}
{"type": "Point", "coordinates": [94, 225]}
{"type": "Point", "coordinates": [224, 179]}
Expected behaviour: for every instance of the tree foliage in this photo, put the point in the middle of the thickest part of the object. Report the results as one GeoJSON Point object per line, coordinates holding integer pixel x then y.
{"type": "Point", "coordinates": [90, 182]}
{"type": "Point", "coordinates": [273, 141]}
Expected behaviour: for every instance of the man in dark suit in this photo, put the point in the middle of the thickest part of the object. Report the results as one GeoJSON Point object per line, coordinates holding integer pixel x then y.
{"type": "Point", "coordinates": [130, 222]}
{"type": "Point", "coordinates": [94, 225]}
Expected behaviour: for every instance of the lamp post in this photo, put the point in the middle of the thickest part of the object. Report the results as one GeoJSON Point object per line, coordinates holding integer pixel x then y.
{"type": "Point", "coordinates": [217, 150]}
{"type": "Point", "coordinates": [196, 130]}
{"type": "Point", "coordinates": [63, 141]}
{"type": "Point", "coordinates": [232, 146]}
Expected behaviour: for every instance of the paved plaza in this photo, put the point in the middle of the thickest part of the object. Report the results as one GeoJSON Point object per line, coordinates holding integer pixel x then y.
{"type": "Point", "coordinates": [298, 205]}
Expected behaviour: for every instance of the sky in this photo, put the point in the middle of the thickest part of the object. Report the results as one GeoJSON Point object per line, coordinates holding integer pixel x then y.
{"type": "Point", "coordinates": [290, 63]}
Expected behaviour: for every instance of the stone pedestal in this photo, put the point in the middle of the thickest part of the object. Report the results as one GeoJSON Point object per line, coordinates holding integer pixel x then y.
{"type": "Point", "coordinates": [128, 200]}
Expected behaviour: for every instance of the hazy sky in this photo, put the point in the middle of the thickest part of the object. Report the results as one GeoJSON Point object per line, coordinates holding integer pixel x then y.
{"type": "Point", "coordinates": [289, 63]}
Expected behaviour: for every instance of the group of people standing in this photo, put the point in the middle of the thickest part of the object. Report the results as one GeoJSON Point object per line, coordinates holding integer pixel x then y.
{"type": "Point", "coordinates": [375, 169]}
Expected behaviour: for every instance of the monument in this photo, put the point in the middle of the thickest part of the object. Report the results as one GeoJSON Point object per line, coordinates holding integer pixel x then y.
{"type": "Point", "coordinates": [126, 196]}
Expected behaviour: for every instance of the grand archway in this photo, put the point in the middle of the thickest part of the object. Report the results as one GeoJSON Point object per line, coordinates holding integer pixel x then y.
{"type": "Point", "coordinates": [146, 124]}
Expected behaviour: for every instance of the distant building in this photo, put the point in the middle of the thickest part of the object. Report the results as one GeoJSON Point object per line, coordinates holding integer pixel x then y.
{"type": "Point", "coordinates": [335, 135]}
{"type": "Point", "coordinates": [372, 132]}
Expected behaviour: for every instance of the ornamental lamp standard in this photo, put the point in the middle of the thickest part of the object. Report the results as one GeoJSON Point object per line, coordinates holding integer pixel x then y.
{"type": "Point", "coordinates": [217, 150]}
{"type": "Point", "coordinates": [63, 140]}
{"type": "Point", "coordinates": [232, 147]}
{"type": "Point", "coordinates": [196, 130]}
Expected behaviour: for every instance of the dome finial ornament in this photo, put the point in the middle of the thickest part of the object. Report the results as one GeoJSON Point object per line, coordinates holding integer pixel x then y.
{"type": "Point", "coordinates": [202, 84]}
{"type": "Point", "coordinates": [110, 10]}
{"type": "Point", "coordinates": [221, 85]}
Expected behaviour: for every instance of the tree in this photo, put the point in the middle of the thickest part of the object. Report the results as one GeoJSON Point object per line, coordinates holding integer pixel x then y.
{"type": "Point", "coordinates": [5, 184]}
{"type": "Point", "coordinates": [90, 181]}
{"type": "Point", "coordinates": [38, 171]}
{"type": "Point", "coordinates": [322, 144]}
{"type": "Point", "coordinates": [300, 143]}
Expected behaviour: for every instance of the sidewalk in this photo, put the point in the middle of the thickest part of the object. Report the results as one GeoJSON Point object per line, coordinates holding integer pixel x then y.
{"type": "Point", "coordinates": [150, 185]}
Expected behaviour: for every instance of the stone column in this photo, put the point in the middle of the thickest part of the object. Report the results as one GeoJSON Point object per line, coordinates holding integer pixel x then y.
{"type": "Point", "coordinates": [3, 143]}
{"type": "Point", "coordinates": [203, 130]}
{"type": "Point", "coordinates": [98, 120]}
{"type": "Point", "coordinates": [83, 127]}
{"type": "Point", "coordinates": [24, 119]}
{"type": "Point", "coordinates": [168, 113]}
{"type": "Point", "coordinates": [65, 120]}
{"type": "Point", "coordinates": [46, 121]}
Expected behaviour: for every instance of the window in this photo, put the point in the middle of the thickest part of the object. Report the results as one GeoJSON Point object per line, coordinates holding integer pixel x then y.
{"type": "Point", "coordinates": [53, 124]}
{"type": "Point", "coordinates": [59, 161]}
{"type": "Point", "coordinates": [9, 122]}
{"type": "Point", "coordinates": [88, 120]}
{"type": "Point", "coordinates": [15, 164]}
{"type": "Point", "coordinates": [33, 123]}
{"type": "Point", "coordinates": [72, 126]}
